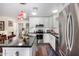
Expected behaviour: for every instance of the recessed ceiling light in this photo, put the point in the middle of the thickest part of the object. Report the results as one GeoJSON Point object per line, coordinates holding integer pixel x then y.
{"type": "Point", "coordinates": [35, 9]}
{"type": "Point", "coordinates": [55, 11]}
{"type": "Point", "coordinates": [34, 13]}
{"type": "Point", "coordinates": [20, 44]}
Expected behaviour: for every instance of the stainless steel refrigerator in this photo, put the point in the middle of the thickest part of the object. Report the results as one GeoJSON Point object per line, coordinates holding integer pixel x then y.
{"type": "Point", "coordinates": [69, 30]}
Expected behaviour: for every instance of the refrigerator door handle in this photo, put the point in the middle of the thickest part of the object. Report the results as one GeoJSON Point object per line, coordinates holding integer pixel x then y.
{"type": "Point", "coordinates": [70, 32]}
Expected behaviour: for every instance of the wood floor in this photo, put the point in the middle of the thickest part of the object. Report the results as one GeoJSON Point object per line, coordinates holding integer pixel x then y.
{"type": "Point", "coordinates": [45, 49]}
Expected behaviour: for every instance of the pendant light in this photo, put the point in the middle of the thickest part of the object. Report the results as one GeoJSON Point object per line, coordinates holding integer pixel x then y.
{"type": "Point", "coordinates": [22, 16]}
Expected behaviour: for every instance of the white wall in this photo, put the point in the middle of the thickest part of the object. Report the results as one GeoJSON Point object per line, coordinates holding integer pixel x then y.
{"type": "Point", "coordinates": [8, 29]}
{"type": "Point", "coordinates": [39, 20]}
{"type": "Point", "coordinates": [55, 23]}
{"type": "Point", "coordinates": [49, 22]}
{"type": "Point", "coordinates": [12, 50]}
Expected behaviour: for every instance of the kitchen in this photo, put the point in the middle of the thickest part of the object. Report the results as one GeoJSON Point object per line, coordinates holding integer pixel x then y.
{"type": "Point", "coordinates": [36, 17]}
{"type": "Point", "coordinates": [36, 29]}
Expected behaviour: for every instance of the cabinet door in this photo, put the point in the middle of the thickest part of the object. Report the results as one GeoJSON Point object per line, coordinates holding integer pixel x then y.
{"type": "Point", "coordinates": [46, 38]}
{"type": "Point", "coordinates": [52, 41]}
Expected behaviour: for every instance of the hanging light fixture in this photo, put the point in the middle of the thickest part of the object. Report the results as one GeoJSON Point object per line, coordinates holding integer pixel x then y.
{"type": "Point", "coordinates": [22, 16]}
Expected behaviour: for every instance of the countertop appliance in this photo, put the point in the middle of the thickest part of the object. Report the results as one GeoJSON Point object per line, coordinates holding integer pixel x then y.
{"type": "Point", "coordinates": [39, 33]}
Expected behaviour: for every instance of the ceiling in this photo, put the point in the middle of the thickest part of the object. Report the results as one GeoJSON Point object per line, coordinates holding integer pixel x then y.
{"type": "Point", "coordinates": [44, 9]}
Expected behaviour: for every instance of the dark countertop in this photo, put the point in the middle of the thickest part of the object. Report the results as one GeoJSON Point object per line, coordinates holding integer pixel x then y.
{"type": "Point", "coordinates": [32, 39]}
{"type": "Point", "coordinates": [48, 32]}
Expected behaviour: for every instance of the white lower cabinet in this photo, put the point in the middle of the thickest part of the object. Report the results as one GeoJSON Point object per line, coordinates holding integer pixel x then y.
{"type": "Point", "coordinates": [21, 51]}
{"type": "Point", "coordinates": [48, 38]}
{"type": "Point", "coordinates": [52, 41]}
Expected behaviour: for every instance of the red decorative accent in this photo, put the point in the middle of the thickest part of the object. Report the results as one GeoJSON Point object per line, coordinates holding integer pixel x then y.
{"type": "Point", "coordinates": [22, 14]}
{"type": "Point", "coordinates": [18, 17]}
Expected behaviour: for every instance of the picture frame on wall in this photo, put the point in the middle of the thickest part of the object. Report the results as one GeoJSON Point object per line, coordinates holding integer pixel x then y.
{"type": "Point", "coordinates": [10, 23]}
{"type": "Point", "coordinates": [2, 25]}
